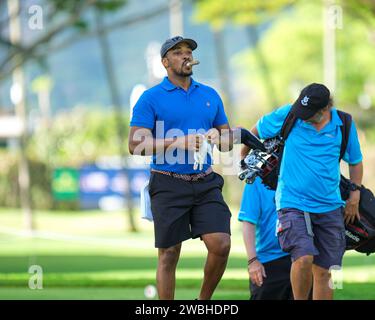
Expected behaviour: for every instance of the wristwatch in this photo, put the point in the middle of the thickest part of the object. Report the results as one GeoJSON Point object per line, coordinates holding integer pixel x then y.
{"type": "Point", "coordinates": [354, 187]}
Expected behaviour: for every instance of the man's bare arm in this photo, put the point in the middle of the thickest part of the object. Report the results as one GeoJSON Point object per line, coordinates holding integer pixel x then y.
{"type": "Point", "coordinates": [222, 136]}
{"type": "Point", "coordinates": [256, 269]}
{"type": "Point", "coordinates": [356, 173]}
{"type": "Point", "coordinates": [352, 204]}
{"type": "Point", "coordinates": [141, 142]}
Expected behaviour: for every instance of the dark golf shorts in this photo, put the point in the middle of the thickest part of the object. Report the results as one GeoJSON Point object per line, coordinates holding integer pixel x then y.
{"type": "Point", "coordinates": [187, 209]}
{"type": "Point", "coordinates": [326, 243]}
{"type": "Point", "coordinates": [276, 285]}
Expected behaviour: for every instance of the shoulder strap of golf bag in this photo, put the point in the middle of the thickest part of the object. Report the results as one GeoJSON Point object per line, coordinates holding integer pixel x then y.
{"type": "Point", "coordinates": [270, 179]}
{"type": "Point", "coordinates": [286, 128]}
{"type": "Point", "coordinates": [284, 133]}
{"type": "Point", "coordinates": [346, 119]}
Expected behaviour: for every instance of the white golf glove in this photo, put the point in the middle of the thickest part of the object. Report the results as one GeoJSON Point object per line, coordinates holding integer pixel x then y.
{"type": "Point", "coordinates": [200, 156]}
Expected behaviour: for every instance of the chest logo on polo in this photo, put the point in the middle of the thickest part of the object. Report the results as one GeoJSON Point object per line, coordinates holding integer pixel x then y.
{"type": "Point", "coordinates": [208, 104]}
{"type": "Point", "coordinates": [305, 100]}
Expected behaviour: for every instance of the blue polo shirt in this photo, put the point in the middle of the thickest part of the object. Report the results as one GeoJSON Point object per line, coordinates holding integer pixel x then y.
{"type": "Point", "coordinates": [310, 172]}
{"type": "Point", "coordinates": [258, 207]}
{"type": "Point", "coordinates": [170, 111]}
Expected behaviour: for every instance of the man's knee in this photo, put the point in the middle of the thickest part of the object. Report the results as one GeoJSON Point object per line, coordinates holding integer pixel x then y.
{"type": "Point", "coordinates": [321, 274]}
{"type": "Point", "coordinates": [221, 246]}
{"type": "Point", "coordinates": [225, 247]}
{"type": "Point", "coordinates": [168, 257]}
{"type": "Point", "coordinates": [304, 262]}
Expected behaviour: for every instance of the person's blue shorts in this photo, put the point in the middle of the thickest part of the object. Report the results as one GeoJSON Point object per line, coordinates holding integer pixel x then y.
{"type": "Point", "coordinates": [320, 235]}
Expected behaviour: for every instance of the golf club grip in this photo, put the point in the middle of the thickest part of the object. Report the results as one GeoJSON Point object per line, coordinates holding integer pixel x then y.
{"type": "Point", "coordinates": [250, 140]}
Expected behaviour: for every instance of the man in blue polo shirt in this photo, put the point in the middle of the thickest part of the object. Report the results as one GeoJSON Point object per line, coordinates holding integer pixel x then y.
{"type": "Point", "coordinates": [310, 208]}
{"type": "Point", "coordinates": [169, 122]}
{"type": "Point", "coordinates": [268, 265]}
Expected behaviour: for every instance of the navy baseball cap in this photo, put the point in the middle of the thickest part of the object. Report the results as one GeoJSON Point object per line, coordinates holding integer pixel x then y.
{"type": "Point", "coordinates": [170, 43]}
{"type": "Point", "coordinates": [312, 98]}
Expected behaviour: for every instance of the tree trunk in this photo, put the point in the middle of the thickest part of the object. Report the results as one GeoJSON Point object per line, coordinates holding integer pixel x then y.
{"type": "Point", "coordinates": [20, 104]}
{"type": "Point", "coordinates": [116, 102]}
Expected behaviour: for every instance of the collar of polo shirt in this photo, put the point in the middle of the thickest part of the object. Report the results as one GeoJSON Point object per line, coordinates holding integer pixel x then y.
{"type": "Point", "coordinates": [334, 122]}
{"type": "Point", "coordinates": [169, 86]}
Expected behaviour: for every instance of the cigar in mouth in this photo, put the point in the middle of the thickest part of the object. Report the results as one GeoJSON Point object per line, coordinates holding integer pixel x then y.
{"type": "Point", "coordinates": [192, 63]}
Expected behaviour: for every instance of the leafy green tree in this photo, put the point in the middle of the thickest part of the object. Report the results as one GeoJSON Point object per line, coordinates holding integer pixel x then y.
{"type": "Point", "coordinates": [72, 139]}
{"type": "Point", "coordinates": [293, 49]}
{"type": "Point", "coordinates": [75, 137]}
{"type": "Point", "coordinates": [64, 22]}
{"type": "Point", "coordinates": [250, 13]}
{"type": "Point", "coordinates": [242, 12]}
{"type": "Point", "coordinates": [363, 10]}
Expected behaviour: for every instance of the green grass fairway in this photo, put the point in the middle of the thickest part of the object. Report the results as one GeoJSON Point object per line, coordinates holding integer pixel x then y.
{"type": "Point", "coordinates": [351, 292]}
{"type": "Point", "coordinates": [99, 293]}
{"type": "Point", "coordinates": [89, 256]}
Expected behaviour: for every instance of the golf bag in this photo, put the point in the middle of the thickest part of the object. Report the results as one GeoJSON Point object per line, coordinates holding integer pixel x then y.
{"type": "Point", "coordinates": [360, 235]}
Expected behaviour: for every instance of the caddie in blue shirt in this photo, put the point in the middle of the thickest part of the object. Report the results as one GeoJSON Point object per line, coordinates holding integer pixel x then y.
{"type": "Point", "coordinates": [310, 209]}
{"type": "Point", "coordinates": [170, 122]}
{"type": "Point", "coordinates": [268, 265]}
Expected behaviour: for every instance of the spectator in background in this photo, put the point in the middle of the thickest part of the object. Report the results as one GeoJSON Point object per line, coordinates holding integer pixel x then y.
{"type": "Point", "coordinates": [268, 265]}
